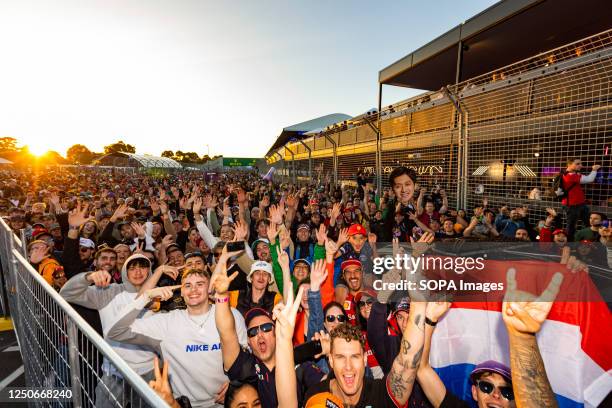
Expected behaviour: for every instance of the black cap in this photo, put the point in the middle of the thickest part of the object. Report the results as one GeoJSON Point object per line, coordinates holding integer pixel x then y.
{"type": "Point", "coordinates": [253, 313]}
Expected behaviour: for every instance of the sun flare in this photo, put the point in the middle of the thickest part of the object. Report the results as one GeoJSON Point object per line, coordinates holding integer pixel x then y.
{"type": "Point", "coordinates": [37, 150]}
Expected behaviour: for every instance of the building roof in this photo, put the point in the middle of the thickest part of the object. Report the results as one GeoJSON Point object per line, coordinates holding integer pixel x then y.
{"type": "Point", "coordinates": [145, 160]}
{"type": "Point", "coordinates": [299, 130]}
{"type": "Point", "coordinates": [4, 161]}
{"type": "Point", "coordinates": [507, 32]}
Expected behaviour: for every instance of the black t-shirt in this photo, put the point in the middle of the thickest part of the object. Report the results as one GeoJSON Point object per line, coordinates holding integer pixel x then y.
{"type": "Point", "coordinates": [451, 401]}
{"type": "Point", "coordinates": [249, 369]}
{"type": "Point", "coordinates": [374, 394]}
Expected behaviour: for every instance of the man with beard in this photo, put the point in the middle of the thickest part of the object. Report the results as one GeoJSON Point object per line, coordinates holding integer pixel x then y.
{"type": "Point", "coordinates": [257, 365]}
{"type": "Point", "coordinates": [109, 299]}
{"type": "Point", "coordinates": [261, 249]}
{"type": "Point", "coordinates": [187, 339]}
{"type": "Point", "coordinates": [106, 260]}
{"type": "Point", "coordinates": [352, 274]}
{"type": "Point", "coordinates": [591, 233]}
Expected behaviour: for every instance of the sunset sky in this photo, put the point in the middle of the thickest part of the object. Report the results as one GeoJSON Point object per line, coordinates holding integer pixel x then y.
{"type": "Point", "coordinates": [184, 74]}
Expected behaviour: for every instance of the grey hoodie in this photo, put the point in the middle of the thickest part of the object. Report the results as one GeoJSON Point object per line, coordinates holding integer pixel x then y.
{"type": "Point", "coordinates": [110, 302]}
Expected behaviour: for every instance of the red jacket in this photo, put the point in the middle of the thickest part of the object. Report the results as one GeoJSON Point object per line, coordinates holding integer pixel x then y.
{"type": "Point", "coordinates": [571, 184]}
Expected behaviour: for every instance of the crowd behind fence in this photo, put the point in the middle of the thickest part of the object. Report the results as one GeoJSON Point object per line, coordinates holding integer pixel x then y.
{"type": "Point", "coordinates": [60, 351]}
{"type": "Point", "coordinates": [503, 135]}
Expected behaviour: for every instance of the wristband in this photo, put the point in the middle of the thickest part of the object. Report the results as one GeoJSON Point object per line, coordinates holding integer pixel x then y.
{"type": "Point", "coordinates": [429, 322]}
{"type": "Point", "coordinates": [222, 300]}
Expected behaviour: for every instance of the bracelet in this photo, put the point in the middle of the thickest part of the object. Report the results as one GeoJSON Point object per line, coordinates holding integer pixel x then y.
{"type": "Point", "coordinates": [222, 300]}
{"type": "Point", "coordinates": [429, 322]}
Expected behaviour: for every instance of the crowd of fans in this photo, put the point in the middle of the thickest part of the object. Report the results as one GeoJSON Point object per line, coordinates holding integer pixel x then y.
{"type": "Point", "coordinates": [245, 287]}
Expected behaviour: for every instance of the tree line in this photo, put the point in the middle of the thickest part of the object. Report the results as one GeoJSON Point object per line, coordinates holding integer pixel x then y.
{"type": "Point", "coordinates": [81, 154]}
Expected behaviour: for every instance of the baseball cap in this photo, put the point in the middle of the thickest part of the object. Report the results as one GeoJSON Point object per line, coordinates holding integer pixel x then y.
{"type": "Point", "coordinates": [39, 232]}
{"type": "Point", "coordinates": [364, 294]}
{"type": "Point", "coordinates": [403, 305]}
{"type": "Point", "coordinates": [559, 231]}
{"type": "Point", "coordinates": [303, 226]}
{"type": "Point", "coordinates": [87, 243]}
{"type": "Point", "coordinates": [350, 262]}
{"type": "Point", "coordinates": [253, 313]}
{"type": "Point", "coordinates": [302, 260]}
{"type": "Point", "coordinates": [261, 266]}
{"type": "Point", "coordinates": [172, 247]}
{"type": "Point", "coordinates": [257, 241]}
{"type": "Point", "coordinates": [492, 366]}
{"type": "Point", "coordinates": [356, 229]}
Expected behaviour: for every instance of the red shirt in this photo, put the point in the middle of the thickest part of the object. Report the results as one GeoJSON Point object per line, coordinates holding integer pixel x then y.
{"type": "Point", "coordinates": [351, 309]}
{"type": "Point", "coordinates": [426, 218]}
{"type": "Point", "coordinates": [571, 184]}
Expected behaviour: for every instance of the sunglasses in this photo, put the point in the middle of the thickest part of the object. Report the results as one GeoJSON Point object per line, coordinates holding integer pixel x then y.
{"type": "Point", "coordinates": [266, 328]}
{"type": "Point", "coordinates": [85, 249]}
{"type": "Point", "coordinates": [367, 302]}
{"type": "Point", "coordinates": [332, 318]}
{"type": "Point", "coordinates": [505, 391]}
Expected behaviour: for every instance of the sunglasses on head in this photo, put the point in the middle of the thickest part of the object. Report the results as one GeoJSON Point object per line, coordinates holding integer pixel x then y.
{"type": "Point", "coordinates": [367, 302]}
{"type": "Point", "coordinates": [266, 328]}
{"type": "Point", "coordinates": [332, 318]}
{"type": "Point", "coordinates": [505, 391]}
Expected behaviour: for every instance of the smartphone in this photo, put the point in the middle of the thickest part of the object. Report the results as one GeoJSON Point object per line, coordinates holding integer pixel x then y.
{"type": "Point", "coordinates": [235, 246]}
{"type": "Point", "coordinates": [307, 351]}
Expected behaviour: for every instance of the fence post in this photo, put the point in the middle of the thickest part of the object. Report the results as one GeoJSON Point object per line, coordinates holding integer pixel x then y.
{"type": "Point", "coordinates": [335, 152]}
{"type": "Point", "coordinates": [282, 162]}
{"type": "Point", "coordinates": [460, 174]}
{"type": "Point", "coordinates": [292, 164]}
{"type": "Point", "coordinates": [73, 358]}
{"type": "Point", "coordinates": [309, 159]}
{"type": "Point", "coordinates": [379, 145]}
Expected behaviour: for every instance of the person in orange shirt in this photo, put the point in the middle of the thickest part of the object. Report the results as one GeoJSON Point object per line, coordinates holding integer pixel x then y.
{"type": "Point", "coordinates": [39, 255]}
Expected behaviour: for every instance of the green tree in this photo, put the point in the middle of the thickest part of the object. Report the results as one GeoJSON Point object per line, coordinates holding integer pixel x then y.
{"type": "Point", "coordinates": [119, 146]}
{"type": "Point", "coordinates": [8, 144]}
{"type": "Point", "coordinates": [190, 157]}
{"type": "Point", "coordinates": [79, 153]}
{"type": "Point", "coordinates": [168, 153]}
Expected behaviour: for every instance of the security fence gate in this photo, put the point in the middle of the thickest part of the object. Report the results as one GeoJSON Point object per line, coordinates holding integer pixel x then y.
{"type": "Point", "coordinates": [62, 355]}
{"type": "Point", "coordinates": [503, 135]}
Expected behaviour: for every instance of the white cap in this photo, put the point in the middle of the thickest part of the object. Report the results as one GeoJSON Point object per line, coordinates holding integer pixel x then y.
{"type": "Point", "coordinates": [261, 266]}
{"type": "Point", "coordinates": [87, 243]}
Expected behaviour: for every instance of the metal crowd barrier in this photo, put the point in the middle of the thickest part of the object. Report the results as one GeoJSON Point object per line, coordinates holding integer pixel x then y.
{"type": "Point", "coordinates": [61, 352]}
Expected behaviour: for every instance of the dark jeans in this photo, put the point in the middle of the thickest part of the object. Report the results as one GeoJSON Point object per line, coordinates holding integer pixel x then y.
{"type": "Point", "coordinates": [573, 213]}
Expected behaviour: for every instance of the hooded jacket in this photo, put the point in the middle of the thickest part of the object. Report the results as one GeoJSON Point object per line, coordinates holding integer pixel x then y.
{"type": "Point", "coordinates": [110, 302]}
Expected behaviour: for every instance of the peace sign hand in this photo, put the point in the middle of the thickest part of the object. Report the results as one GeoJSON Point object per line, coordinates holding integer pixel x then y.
{"type": "Point", "coordinates": [161, 385]}
{"type": "Point", "coordinates": [285, 316]}
{"type": "Point", "coordinates": [523, 312]}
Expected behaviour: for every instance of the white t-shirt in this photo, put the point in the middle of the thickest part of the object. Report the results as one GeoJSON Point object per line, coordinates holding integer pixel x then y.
{"type": "Point", "coordinates": [192, 347]}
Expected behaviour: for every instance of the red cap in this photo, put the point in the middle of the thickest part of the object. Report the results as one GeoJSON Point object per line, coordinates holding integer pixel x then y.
{"type": "Point", "coordinates": [356, 229]}
{"type": "Point", "coordinates": [559, 231]}
{"type": "Point", "coordinates": [314, 201]}
{"type": "Point", "coordinates": [350, 262]}
{"type": "Point", "coordinates": [367, 293]}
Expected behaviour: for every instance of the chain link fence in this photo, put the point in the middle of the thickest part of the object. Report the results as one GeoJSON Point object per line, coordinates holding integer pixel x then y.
{"type": "Point", "coordinates": [502, 136]}
{"type": "Point", "coordinates": [61, 353]}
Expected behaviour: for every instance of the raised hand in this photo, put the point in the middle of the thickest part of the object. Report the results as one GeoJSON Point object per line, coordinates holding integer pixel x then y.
{"type": "Point", "coordinates": [163, 206]}
{"type": "Point", "coordinates": [197, 205]}
{"type": "Point", "coordinates": [571, 262]}
{"type": "Point", "coordinates": [342, 237]}
{"type": "Point", "coordinates": [37, 254]}
{"type": "Point", "coordinates": [330, 249]}
{"type": "Point", "coordinates": [282, 258]}
{"type": "Point", "coordinates": [226, 209]}
{"type": "Point", "coordinates": [119, 213]}
{"type": "Point", "coordinates": [161, 385]}
{"type": "Point", "coordinates": [372, 238]}
{"type": "Point", "coordinates": [291, 201]}
{"type": "Point", "coordinates": [240, 231]}
{"type": "Point", "coordinates": [272, 232]}
{"type": "Point", "coordinates": [220, 282]}
{"type": "Point", "coordinates": [419, 247]}
{"type": "Point", "coordinates": [435, 310]}
{"type": "Point", "coordinates": [285, 316]}
{"type": "Point", "coordinates": [240, 196]}
{"type": "Point", "coordinates": [321, 234]}
{"type": "Point", "coordinates": [101, 279]}
{"type": "Point", "coordinates": [139, 230]}
{"type": "Point", "coordinates": [161, 293]}
{"type": "Point", "coordinates": [335, 212]}
{"type": "Point", "coordinates": [265, 202]}
{"type": "Point", "coordinates": [325, 340]}
{"type": "Point", "coordinates": [276, 214]}
{"type": "Point", "coordinates": [318, 274]}
{"type": "Point", "coordinates": [154, 205]}
{"type": "Point", "coordinates": [524, 312]}
{"type": "Point", "coordinates": [78, 216]}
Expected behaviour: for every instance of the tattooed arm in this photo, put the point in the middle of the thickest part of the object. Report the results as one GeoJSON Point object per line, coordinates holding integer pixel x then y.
{"type": "Point", "coordinates": [404, 369]}
{"type": "Point", "coordinates": [529, 379]}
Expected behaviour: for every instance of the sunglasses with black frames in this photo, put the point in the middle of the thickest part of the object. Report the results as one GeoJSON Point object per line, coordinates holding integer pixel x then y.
{"type": "Point", "coordinates": [266, 328]}
{"type": "Point", "coordinates": [505, 391]}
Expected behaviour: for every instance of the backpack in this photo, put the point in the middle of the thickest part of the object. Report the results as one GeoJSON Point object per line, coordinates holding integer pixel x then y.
{"type": "Point", "coordinates": [557, 184]}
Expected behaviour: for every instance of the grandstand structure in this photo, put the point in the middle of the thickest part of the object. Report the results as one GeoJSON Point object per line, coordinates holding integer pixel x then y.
{"type": "Point", "coordinates": [513, 93]}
